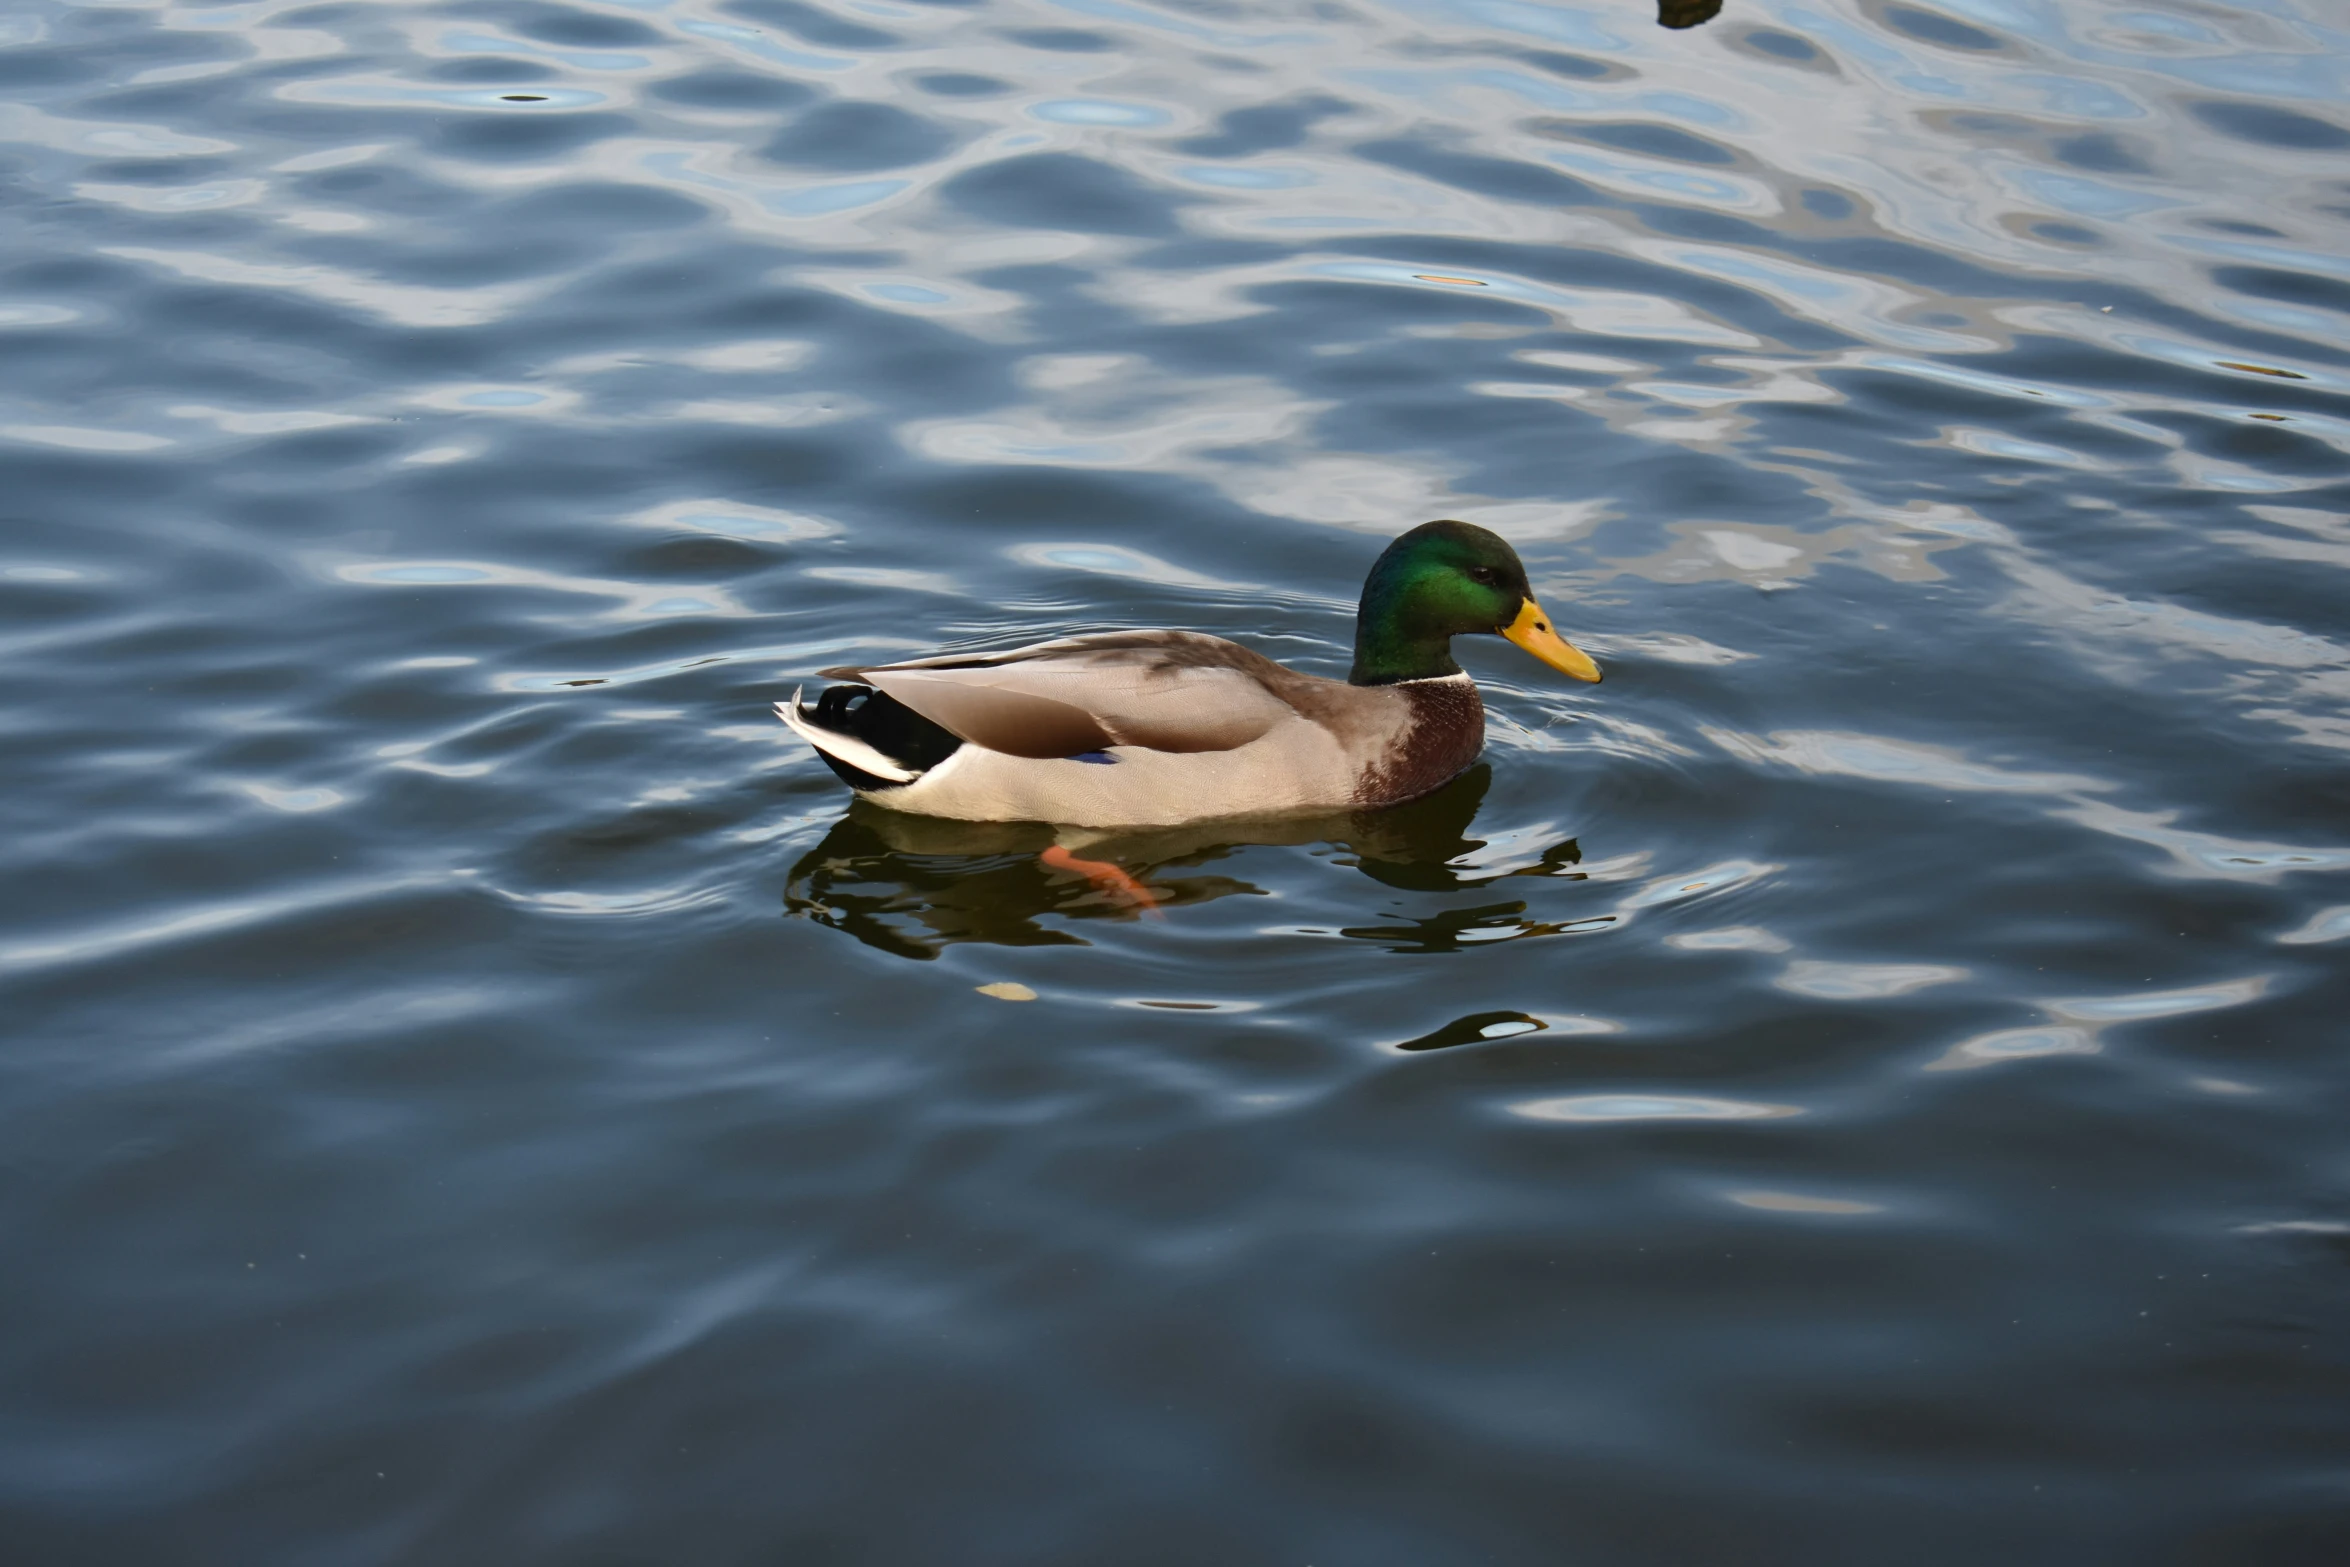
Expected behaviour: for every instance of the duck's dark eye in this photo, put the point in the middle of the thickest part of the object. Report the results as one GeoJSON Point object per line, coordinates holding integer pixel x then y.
{"type": "Point", "coordinates": [1485, 574]}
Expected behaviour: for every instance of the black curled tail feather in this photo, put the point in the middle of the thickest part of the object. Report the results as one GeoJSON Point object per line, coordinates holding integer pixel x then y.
{"type": "Point", "coordinates": [886, 724]}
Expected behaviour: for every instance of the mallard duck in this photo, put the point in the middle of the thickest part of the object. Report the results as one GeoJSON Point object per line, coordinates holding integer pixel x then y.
{"type": "Point", "coordinates": [1158, 728]}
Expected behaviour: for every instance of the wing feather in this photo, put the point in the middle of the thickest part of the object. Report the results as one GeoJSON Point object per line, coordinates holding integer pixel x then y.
{"type": "Point", "coordinates": [1011, 721]}
{"type": "Point", "coordinates": [1162, 691]}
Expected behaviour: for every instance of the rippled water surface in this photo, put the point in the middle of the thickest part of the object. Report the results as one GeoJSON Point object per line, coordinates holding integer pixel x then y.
{"type": "Point", "coordinates": [1864, 1085]}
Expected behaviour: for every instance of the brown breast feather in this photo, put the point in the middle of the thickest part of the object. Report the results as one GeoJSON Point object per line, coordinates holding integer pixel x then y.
{"type": "Point", "coordinates": [1443, 730]}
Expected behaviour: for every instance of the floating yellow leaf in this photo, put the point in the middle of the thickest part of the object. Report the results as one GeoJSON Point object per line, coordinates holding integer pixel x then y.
{"type": "Point", "coordinates": [1007, 990]}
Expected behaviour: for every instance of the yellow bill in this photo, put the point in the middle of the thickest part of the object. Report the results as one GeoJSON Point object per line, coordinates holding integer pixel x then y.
{"type": "Point", "coordinates": [1531, 631]}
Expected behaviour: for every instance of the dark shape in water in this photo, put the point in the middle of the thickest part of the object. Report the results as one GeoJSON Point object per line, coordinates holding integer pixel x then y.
{"type": "Point", "coordinates": [1686, 13]}
{"type": "Point", "coordinates": [1476, 1028]}
{"type": "Point", "coordinates": [915, 885]}
{"type": "Point", "coordinates": [1451, 930]}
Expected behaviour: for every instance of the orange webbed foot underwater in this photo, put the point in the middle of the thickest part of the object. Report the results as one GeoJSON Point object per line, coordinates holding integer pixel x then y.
{"type": "Point", "coordinates": [1109, 878]}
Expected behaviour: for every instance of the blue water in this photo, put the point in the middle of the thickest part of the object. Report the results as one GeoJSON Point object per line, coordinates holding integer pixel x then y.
{"type": "Point", "coordinates": [1863, 1085]}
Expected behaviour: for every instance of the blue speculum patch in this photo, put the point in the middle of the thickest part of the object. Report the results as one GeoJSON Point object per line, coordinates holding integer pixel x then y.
{"type": "Point", "coordinates": [1098, 758]}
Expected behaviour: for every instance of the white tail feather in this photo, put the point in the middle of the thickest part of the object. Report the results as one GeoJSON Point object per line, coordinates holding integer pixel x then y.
{"type": "Point", "coordinates": [832, 742]}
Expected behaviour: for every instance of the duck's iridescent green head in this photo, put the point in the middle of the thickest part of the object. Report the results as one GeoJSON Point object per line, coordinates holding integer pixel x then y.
{"type": "Point", "coordinates": [1443, 580]}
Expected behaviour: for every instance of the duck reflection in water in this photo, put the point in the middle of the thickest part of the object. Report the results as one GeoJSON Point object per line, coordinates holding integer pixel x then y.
{"type": "Point", "coordinates": [915, 885]}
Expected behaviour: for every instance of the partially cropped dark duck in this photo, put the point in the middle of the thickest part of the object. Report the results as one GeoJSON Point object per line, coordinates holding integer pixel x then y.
{"type": "Point", "coordinates": [1686, 13]}
{"type": "Point", "coordinates": [1154, 728]}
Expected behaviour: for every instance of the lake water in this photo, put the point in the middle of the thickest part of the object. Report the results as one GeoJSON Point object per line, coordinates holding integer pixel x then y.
{"type": "Point", "coordinates": [1864, 1085]}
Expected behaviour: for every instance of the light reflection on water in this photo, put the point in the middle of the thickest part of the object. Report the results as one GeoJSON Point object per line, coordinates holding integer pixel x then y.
{"type": "Point", "coordinates": [1860, 1078]}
